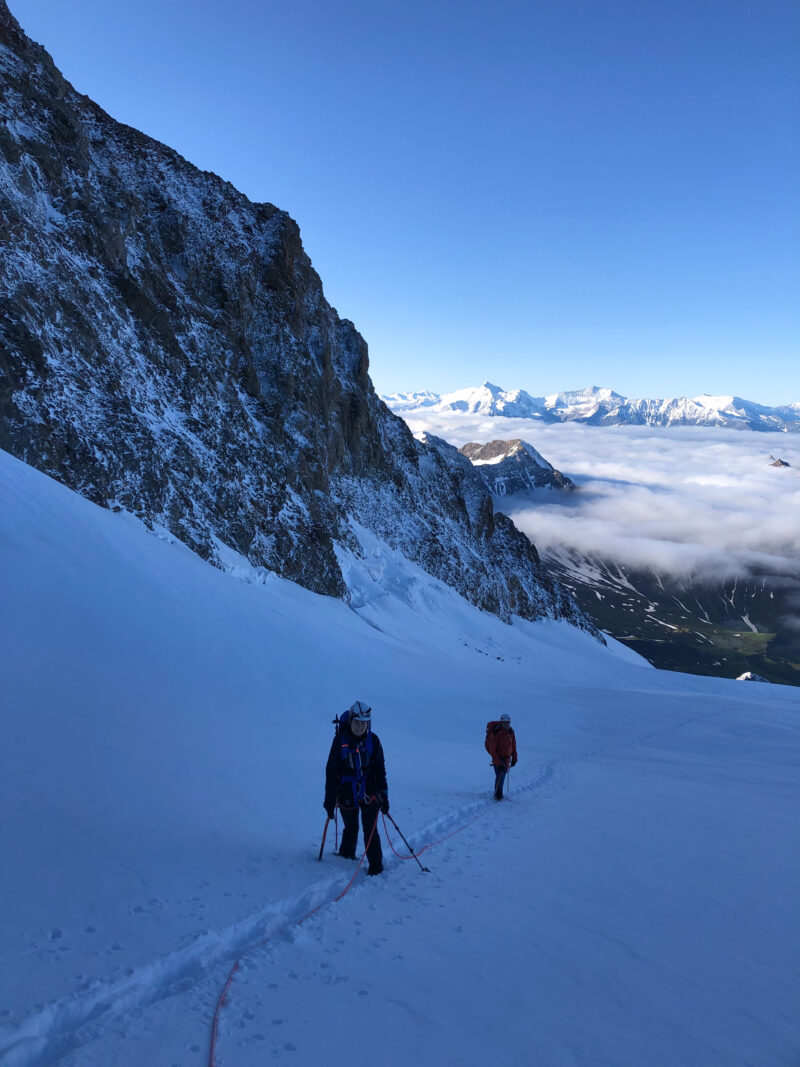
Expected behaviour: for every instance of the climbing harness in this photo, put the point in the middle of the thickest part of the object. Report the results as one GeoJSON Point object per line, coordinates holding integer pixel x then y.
{"type": "Point", "coordinates": [357, 757]}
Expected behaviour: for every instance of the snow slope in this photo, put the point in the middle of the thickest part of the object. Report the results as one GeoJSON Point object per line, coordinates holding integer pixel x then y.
{"type": "Point", "coordinates": [164, 731]}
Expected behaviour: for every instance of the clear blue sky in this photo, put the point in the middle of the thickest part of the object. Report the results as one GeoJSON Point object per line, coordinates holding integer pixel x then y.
{"type": "Point", "coordinates": [548, 194]}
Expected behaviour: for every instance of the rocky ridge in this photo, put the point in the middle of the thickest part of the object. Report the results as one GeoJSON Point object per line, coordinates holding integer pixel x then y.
{"type": "Point", "coordinates": [166, 348]}
{"type": "Point", "coordinates": [509, 467]}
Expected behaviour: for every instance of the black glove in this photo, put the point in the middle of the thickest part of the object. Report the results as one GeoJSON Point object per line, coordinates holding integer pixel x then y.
{"type": "Point", "coordinates": [513, 763]}
{"type": "Point", "coordinates": [385, 805]}
{"type": "Point", "coordinates": [330, 810]}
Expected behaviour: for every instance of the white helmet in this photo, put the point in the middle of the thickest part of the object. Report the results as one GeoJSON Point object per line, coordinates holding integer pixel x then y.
{"type": "Point", "coordinates": [360, 712]}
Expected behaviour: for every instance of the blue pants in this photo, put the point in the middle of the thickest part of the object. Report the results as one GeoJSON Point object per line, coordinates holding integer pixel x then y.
{"type": "Point", "coordinates": [499, 781]}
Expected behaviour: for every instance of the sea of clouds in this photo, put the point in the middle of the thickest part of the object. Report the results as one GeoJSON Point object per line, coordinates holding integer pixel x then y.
{"type": "Point", "coordinates": [683, 500]}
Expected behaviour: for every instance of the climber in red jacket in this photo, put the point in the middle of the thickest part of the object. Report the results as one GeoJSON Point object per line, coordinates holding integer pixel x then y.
{"type": "Point", "coordinates": [501, 744]}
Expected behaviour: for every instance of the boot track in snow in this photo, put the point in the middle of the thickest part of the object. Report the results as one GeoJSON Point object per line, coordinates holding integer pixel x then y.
{"type": "Point", "coordinates": [65, 1025]}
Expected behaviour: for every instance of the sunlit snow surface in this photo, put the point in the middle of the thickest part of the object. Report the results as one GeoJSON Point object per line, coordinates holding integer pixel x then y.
{"type": "Point", "coordinates": [164, 732]}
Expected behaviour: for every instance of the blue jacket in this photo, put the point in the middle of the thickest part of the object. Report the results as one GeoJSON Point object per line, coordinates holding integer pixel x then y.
{"type": "Point", "coordinates": [355, 770]}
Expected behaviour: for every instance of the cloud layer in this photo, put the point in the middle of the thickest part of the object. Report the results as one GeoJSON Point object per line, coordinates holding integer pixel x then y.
{"type": "Point", "coordinates": [682, 500]}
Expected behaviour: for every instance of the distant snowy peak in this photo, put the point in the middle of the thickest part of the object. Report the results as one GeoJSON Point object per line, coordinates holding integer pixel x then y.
{"type": "Point", "coordinates": [585, 405]}
{"type": "Point", "coordinates": [410, 401]}
{"type": "Point", "coordinates": [727, 411]}
{"type": "Point", "coordinates": [597, 406]}
{"type": "Point", "coordinates": [508, 467]}
{"type": "Point", "coordinates": [490, 399]}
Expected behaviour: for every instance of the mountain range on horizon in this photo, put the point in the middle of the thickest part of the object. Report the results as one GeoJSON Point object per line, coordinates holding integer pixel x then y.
{"type": "Point", "coordinates": [598, 406]}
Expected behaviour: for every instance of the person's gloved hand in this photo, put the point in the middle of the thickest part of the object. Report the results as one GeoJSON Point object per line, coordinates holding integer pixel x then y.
{"type": "Point", "coordinates": [385, 805]}
{"type": "Point", "coordinates": [330, 810]}
{"type": "Point", "coordinates": [513, 763]}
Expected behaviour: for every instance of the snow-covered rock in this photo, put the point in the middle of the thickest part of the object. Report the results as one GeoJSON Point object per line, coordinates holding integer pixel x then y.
{"type": "Point", "coordinates": [167, 349]}
{"type": "Point", "coordinates": [508, 467]}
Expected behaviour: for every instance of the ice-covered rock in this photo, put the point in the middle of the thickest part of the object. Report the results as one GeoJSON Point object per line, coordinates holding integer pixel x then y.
{"type": "Point", "coordinates": [166, 348]}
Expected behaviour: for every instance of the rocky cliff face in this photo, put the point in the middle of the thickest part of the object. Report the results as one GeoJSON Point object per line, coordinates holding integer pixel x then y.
{"type": "Point", "coordinates": [508, 467]}
{"type": "Point", "coordinates": [166, 347]}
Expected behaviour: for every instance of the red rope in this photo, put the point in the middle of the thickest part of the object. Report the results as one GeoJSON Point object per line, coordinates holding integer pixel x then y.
{"type": "Point", "coordinates": [430, 844]}
{"type": "Point", "coordinates": [220, 1003]}
{"type": "Point", "coordinates": [358, 868]}
{"type": "Point", "coordinates": [215, 1024]}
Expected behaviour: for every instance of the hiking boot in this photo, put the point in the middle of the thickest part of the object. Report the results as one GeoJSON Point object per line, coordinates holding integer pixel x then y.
{"type": "Point", "coordinates": [375, 870]}
{"type": "Point", "coordinates": [346, 855]}
{"type": "Point", "coordinates": [498, 796]}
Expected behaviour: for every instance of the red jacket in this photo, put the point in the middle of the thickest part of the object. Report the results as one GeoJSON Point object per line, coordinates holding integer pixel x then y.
{"type": "Point", "coordinates": [501, 744]}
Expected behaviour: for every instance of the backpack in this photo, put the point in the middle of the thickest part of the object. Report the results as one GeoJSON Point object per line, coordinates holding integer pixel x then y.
{"type": "Point", "coordinates": [496, 738]}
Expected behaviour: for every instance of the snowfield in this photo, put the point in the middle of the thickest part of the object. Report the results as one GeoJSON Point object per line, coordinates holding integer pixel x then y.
{"type": "Point", "coordinates": [164, 732]}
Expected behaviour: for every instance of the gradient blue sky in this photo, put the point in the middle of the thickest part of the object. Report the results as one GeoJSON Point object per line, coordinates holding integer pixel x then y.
{"type": "Point", "coordinates": [548, 194]}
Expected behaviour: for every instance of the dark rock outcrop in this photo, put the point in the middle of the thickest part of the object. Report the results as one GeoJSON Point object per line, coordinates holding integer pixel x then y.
{"type": "Point", "coordinates": [508, 467]}
{"type": "Point", "coordinates": [166, 347]}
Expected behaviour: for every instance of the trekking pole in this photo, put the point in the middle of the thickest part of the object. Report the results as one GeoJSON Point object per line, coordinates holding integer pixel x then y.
{"type": "Point", "coordinates": [324, 835]}
{"type": "Point", "coordinates": [508, 783]}
{"type": "Point", "coordinates": [410, 849]}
